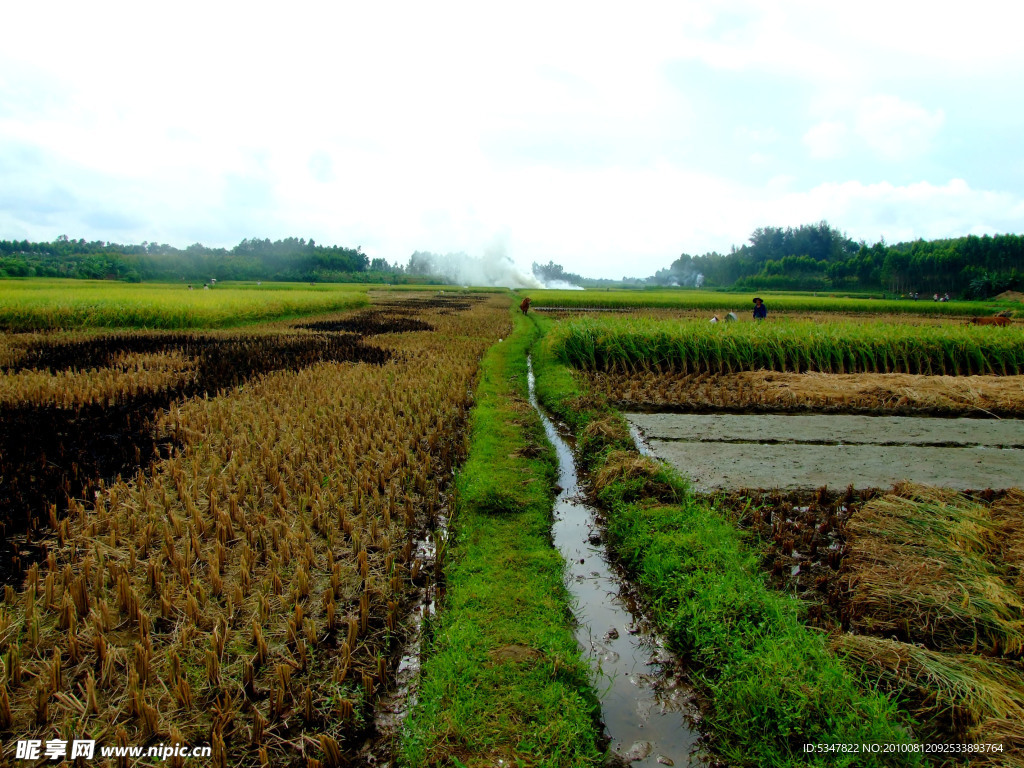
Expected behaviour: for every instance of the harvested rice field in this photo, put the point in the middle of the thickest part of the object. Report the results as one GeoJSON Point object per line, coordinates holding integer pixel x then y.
{"type": "Point", "coordinates": [778, 392]}
{"type": "Point", "coordinates": [876, 475]}
{"type": "Point", "coordinates": [324, 538]}
{"type": "Point", "coordinates": [921, 588]}
{"type": "Point", "coordinates": [214, 537]}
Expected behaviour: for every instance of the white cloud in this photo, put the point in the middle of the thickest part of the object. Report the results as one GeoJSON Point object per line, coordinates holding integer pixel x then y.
{"type": "Point", "coordinates": [444, 126]}
{"type": "Point", "coordinates": [826, 139]}
{"type": "Point", "coordinates": [902, 212]}
{"type": "Point", "coordinates": [895, 128]}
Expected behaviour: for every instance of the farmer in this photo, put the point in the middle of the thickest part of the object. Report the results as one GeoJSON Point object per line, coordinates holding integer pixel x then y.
{"type": "Point", "coordinates": [760, 310]}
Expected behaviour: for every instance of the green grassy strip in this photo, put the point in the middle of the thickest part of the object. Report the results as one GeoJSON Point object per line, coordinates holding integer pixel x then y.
{"type": "Point", "coordinates": [47, 304]}
{"type": "Point", "coordinates": [631, 344]}
{"type": "Point", "coordinates": [773, 682]}
{"type": "Point", "coordinates": [720, 301]}
{"type": "Point", "coordinates": [504, 678]}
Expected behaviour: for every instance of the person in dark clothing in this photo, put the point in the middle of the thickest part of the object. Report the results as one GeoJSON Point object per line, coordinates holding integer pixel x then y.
{"type": "Point", "coordinates": [760, 310]}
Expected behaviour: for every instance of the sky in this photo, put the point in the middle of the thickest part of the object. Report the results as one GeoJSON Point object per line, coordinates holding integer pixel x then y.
{"type": "Point", "coordinates": [609, 138]}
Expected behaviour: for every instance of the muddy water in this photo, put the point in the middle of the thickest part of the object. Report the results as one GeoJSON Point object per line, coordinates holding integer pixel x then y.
{"type": "Point", "coordinates": [394, 705]}
{"type": "Point", "coordinates": [648, 711]}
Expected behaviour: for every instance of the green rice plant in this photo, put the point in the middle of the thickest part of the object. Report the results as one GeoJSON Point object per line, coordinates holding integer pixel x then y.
{"type": "Point", "coordinates": [51, 304]}
{"type": "Point", "coordinates": [634, 344]}
{"type": "Point", "coordinates": [720, 301]}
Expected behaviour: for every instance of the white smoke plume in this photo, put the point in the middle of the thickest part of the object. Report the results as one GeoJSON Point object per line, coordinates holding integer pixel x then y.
{"type": "Point", "coordinates": [493, 269]}
{"type": "Point", "coordinates": [677, 278]}
{"type": "Point", "coordinates": [562, 285]}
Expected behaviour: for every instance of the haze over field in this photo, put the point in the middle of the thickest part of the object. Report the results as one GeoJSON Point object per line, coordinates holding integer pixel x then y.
{"type": "Point", "coordinates": [607, 141]}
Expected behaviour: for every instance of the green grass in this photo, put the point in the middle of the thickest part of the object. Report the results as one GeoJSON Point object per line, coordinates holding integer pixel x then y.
{"type": "Point", "coordinates": [773, 683]}
{"type": "Point", "coordinates": [637, 343]}
{"type": "Point", "coordinates": [504, 678]}
{"type": "Point", "coordinates": [45, 304]}
{"type": "Point", "coordinates": [741, 303]}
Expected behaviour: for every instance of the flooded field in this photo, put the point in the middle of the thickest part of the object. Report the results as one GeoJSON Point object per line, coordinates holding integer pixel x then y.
{"type": "Point", "coordinates": [730, 451]}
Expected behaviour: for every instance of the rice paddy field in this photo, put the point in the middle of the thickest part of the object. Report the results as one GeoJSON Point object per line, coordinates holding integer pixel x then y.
{"type": "Point", "coordinates": [214, 537]}
{"type": "Point", "coordinates": [46, 304]}
{"type": "Point", "coordinates": [639, 344]}
{"type": "Point", "coordinates": [224, 513]}
{"type": "Point", "coordinates": [714, 301]}
{"type": "Point", "coordinates": [918, 587]}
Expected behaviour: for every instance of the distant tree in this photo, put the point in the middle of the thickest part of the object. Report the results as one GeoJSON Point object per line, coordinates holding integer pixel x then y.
{"type": "Point", "coordinates": [551, 272]}
{"type": "Point", "coordinates": [421, 263]}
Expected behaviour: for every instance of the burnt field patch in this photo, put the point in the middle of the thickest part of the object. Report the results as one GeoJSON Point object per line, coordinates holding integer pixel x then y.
{"type": "Point", "coordinates": [371, 323]}
{"type": "Point", "coordinates": [220, 360]}
{"type": "Point", "coordinates": [49, 454]}
{"type": "Point", "coordinates": [442, 302]}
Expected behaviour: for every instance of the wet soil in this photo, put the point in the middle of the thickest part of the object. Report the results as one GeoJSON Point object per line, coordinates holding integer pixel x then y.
{"type": "Point", "coordinates": [802, 537]}
{"type": "Point", "coordinates": [792, 452]}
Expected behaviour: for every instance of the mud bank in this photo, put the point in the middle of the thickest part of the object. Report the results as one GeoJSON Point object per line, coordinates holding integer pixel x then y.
{"type": "Point", "coordinates": [789, 452]}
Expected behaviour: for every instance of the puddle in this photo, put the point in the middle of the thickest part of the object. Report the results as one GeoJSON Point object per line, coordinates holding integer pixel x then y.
{"type": "Point", "coordinates": [648, 710]}
{"type": "Point", "coordinates": [393, 706]}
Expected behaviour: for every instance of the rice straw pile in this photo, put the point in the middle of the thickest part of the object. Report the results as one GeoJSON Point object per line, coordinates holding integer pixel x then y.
{"type": "Point", "coordinates": [960, 696]}
{"type": "Point", "coordinates": [922, 565]}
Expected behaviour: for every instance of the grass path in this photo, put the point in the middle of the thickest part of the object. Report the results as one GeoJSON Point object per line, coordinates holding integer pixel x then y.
{"type": "Point", "coordinates": [504, 680]}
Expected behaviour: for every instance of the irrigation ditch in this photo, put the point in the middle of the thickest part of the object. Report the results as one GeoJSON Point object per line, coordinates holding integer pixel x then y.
{"type": "Point", "coordinates": [649, 711]}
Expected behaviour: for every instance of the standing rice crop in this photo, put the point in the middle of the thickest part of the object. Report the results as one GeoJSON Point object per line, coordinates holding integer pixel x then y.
{"type": "Point", "coordinates": [49, 304]}
{"type": "Point", "coordinates": [720, 301]}
{"type": "Point", "coordinates": [635, 344]}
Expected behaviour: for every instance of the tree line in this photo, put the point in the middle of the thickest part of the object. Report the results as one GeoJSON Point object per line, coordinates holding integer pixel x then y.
{"type": "Point", "coordinates": [812, 257]}
{"type": "Point", "coordinates": [290, 259]}
{"type": "Point", "coordinates": [818, 257]}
